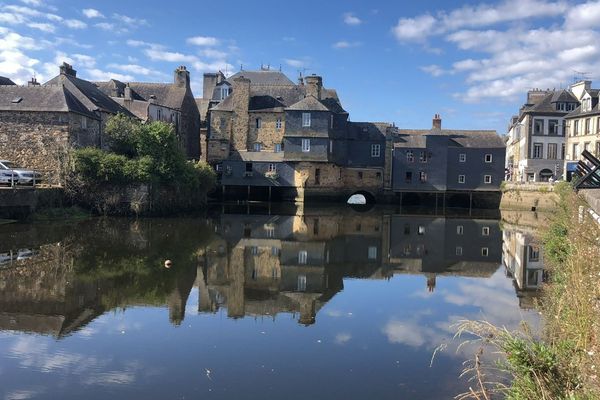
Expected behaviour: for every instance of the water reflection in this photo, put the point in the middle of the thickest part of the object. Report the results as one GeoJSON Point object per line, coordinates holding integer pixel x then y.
{"type": "Point", "coordinates": [258, 299]}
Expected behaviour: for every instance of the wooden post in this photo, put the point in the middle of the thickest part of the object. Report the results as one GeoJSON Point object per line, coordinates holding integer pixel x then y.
{"type": "Point", "coordinates": [470, 203]}
{"type": "Point", "coordinates": [269, 194]}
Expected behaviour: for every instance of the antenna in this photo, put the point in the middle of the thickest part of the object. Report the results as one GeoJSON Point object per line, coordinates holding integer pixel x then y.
{"type": "Point", "coordinates": [580, 76]}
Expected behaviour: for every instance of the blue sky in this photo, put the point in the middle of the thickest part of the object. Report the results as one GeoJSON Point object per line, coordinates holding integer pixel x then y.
{"type": "Point", "coordinates": [400, 62]}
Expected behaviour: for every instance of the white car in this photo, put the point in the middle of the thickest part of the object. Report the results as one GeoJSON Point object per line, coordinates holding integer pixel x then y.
{"type": "Point", "coordinates": [12, 174]}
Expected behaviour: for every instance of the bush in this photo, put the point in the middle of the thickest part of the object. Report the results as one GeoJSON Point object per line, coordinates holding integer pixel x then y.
{"type": "Point", "coordinates": [141, 153]}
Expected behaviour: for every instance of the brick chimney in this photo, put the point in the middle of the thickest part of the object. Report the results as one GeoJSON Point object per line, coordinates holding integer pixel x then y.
{"type": "Point", "coordinates": [33, 82]}
{"type": "Point", "coordinates": [127, 94]}
{"type": "Point", "coordinates": [182, 77]}
{"type": "Point", "coordinates": [437, 122]}
{"type": "Point", "coordinates": [67, 69]}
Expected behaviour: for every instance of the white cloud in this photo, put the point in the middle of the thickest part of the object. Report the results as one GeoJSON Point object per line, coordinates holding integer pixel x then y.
{"type": "Point", "coordinates": [342, 338]}
{"type": "Point", "coordinates": [130, 21]}
{"type": "Point", "coordinates": [135, 69]}
{"type": "Point", "coordinates": [95, 74]}
{"type": "Point", "coordinates": [75, 24]}
{"type": "Point", "coordinates": [92, 13]}
{"type": "Point", "coordinates": [12, 19]}
{"type": "Point", "coordinates": [107, 26]}
{"type": "Point", "coordinates": [351, 19]}
{"type": "Point", "coordinates": [414, 29]}
{"type": "Point", "coordinates": [292, 62]}
{"type": "Point", "coordinates": [13, 40]}
{"type": "Point", "coordinates": [44, 27]}
{"type": "Point", "coordinates": [343, 44]}
{"type": "Point", "coordinates": [203, 41]}
{"type": "Point", "coordinates": [434, 70]}
{"type": "Point", "coordinates": [212, 53]}
{"type": "Point", "coordinates": [35, 3]}
{"type": "Point", "coordinates": [170, 56]}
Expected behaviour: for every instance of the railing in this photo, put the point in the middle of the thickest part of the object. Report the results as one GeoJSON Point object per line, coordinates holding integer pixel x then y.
{"type": "Point", "coordinates": [47, 178]}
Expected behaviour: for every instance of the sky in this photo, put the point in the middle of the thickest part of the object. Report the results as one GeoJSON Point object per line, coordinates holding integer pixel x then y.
{"type": "Point", "coordinates": [391, 61]}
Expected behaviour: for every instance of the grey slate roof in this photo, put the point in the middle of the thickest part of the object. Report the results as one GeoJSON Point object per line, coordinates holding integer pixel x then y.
{"type": "Point", "coordinates": [87, 93]}
{"type": "Point", "coordinates": [265, 103]}
{"type": "Point", "coordinates": [166, 94]}
{"type": "Point", "coordinates": [367, 130]}
{"type": "Point", "coordinates": [41, 99]}
{"type": "Point", "coordinates": [258, 156]}
{"type": "Point", "coordinates": [139, 108]}
{"type": "Point", "coordinates": [5, 81]}
{"type": "Point", "coordinates": [309, 103]}
{"type": "Point", "coordinates": [461, 138]}
{"type": "Point", "coordinates": [272, 78]}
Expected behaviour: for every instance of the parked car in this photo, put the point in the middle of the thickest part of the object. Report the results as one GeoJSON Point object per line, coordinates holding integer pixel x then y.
{"type": "Point", "coordinates": [10, 173]}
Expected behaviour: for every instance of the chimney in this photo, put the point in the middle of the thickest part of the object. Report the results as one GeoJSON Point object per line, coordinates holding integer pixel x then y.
{"type": "Point", "coordinates": [209, 84]}
{"type": "Point", "coordinates": [437, 122]}
{"type": "Point", "coordinates": [182, 77]}
{"type": "Point", "coordinates": [127, 94]}
{"type": "Point", "coordinates": [33, 82]}
{"type": "Point", "coordinates": [67, 69]}
{"type": "Point", "coordinates": [314, 84]}
{"type": "Point", "coordinates": [152, 99]}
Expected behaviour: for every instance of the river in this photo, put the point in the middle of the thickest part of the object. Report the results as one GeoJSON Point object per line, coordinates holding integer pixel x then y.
{"type": "Point", "coordinates": [323, 303]}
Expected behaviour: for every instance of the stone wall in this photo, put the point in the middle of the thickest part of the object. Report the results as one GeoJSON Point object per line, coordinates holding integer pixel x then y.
{"type": "Point", "coordinates": [241, 118]}
{"type": "Point", "coordinates": [268, 134]}
{"type": "Point", "coordinates": [42, 140]}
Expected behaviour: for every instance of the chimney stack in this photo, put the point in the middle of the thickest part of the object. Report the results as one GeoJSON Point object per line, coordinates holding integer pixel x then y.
{"type": "Point", "coordinates": [182, 77]}
{"type": "Point", "coordinates": [314, 84]}
{"type": "Point", "coordinates": [67, 69]}
{"type": "Point", "coordinates": [33, 82]}
{"type": "Point", "coordinates": [127, 93]}
{"type": "Point", "coordinates": [437, 122]}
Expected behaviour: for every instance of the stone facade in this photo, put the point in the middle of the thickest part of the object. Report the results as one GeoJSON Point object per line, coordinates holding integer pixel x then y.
{"type": "Point", "coordinates": [42, 140]}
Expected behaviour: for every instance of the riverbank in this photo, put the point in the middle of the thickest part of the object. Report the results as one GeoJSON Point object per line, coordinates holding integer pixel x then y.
{"type": "Point", "coordinates": [529, 197]}
{"type": "Point", "coordinates": [561, 361]}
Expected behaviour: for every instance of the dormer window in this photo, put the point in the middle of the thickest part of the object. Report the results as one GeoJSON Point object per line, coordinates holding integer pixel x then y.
{"type": "Point", "coordinates": [224, 92]}
{"type": "Point", "coordinates": [306, 120]}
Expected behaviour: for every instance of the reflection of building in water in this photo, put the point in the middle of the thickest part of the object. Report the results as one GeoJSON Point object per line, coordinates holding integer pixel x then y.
{"type": "Point", "coordinates": [264, 265]}
{"type": "Point", "coordinates": [523, 261]}
{"type": "Point", "coordinates": [59, 287]}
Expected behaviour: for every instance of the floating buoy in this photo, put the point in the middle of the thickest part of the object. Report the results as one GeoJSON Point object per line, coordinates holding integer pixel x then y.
{"type": "Point", "coordinates": [168, 263]}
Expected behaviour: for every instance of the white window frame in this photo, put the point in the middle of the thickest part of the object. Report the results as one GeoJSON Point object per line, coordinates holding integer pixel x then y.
{"type": "Point", "coordinates": [488, 158]}
{"type": "Point", "coordinates": [303, 257]}
{"type": "Point", "coordinates": [258, 123]}
{"type": "Point", "coordinates": [83, 122]}
{"type": "Point", "coordinates": [460, 230]}
{"type": "Point", "coordinates": [462, 157]}
{"type": "Point", "coordinates": [257, 147]}
{"type": "Point", "coordinates": [375, 150]}
{"type": "Point", "coordinates": [306, 120]}
{"type": "Point", "coordinates": [459, 251]}
{"type": "Point", "coordinates": [278, 124]}
{"type": "Point", "coordinates": [485, 251]}
{"type": "Point", "coordinates": [305, 145]}
{"type": "Point", "coordinates": [272, 168]}
{"type": "Point", "coordinates": [410, 157]}
{"type": "Point", "coordinates": [278, 147]}
{"type": "Point", "coordinates": [485, 231]}
{"type": "Point", "coordinates": [301, 283]}
{"type": "Point", "coordinates": [487, 179]}
{"type": "Point", "coordinates": [372, 253]}
{"type": "Point", "coordinates": [461, 179]}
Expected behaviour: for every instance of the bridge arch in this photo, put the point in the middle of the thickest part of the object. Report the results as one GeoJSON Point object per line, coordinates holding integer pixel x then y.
{"type": "Point", "coordinates": [361, 197]}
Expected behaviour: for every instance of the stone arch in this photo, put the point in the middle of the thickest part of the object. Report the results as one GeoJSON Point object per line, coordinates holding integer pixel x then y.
{"type": "Point", "coordinates": [545, 174]}
{"type": "Point", "coordinates": [369, 198]}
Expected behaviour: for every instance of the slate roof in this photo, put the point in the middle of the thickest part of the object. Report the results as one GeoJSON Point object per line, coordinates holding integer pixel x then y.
{"type": "Point", "coordinates": [367, 130]}
{"type": "Point", "coordinates": [461, 138]}
{"type": "Point", "coordinates": [41, 99]}
{"type": "Point", "coordinates": [271, 78]}
{"type": "Point", "coordinates": [166, 94]}
{"type": "Point", "coordinates": [309, 103]}
{"type": "Point", "coordinates": [258, 156]}
{"type": "Point", "coordinates": [87, 93]}
{"type": "Point", "coordinates": [265, 103]}
{"type": "Point", "coordinates": [139, 108]}
{"type": "Point", "coordinates": [547, 105]}
{"type": "Point", "coordinates": [5, 81]}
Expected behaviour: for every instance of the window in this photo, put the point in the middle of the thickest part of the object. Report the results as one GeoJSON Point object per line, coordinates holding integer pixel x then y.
{"type": "Point", "coordinates": [278, 147]}
{"type": "Point", "coordinates": [576, 127]}
{"type": "Point", "coordinates": [224, 92]}
{"type": "Point", "coordinates": [274, 251]}
{"type": "Point", "coordinates": [272, 168]}
{"type": "Point", "coordinates": [462, 157]}
{"type": "Point", "coordinates": [588, 126]}
{"type": "Point", "coordinates": [485, 231]}
{"type": "Point", "coordinates": [409, 156]}
{"type": "Point", "coordinates": [278, 124]}
{"type": "Point", "coordinates": [597, 124]}
{"type": "Point", "coordinates": [407, 250]}
{"type": "Point", "coordinates": [315, 226]}
{"type": "Point", "coordinates": [407, 229]}
{"type": "Point", "coordinates": [423, 177]}
{"type": "Point", "coordinates": [408, 177]}
{"type": "Point", "coordinates": [301, 283]}
{"type": "Point", "coordinates": [372, 253]}
{"type": "Point", "coordinates": [423, 157]}
{"type": "Point", "coordinates": [487, 179]}
{"type": "Point", "coordinates": [562, 151]}
{"type": "Point", "coordinates": [305, 145]}
{"type": "Point", "coordinates": [538, 126]}
{"type": "Point", "coordinates": [360, 175]}
{"type": "Point", "coordinates": [570, 106]}
{"type": "Point", "coordinates": [249, 169]}
{"type": "Point", "coordinates": [488, 158]}
{"type": "Point", "coordinates": [270, 230]}
{"type": "Point", "coordinates": [597, 152]}
{"type": "Point", "coordinates": [575, 151]}
{"type": "Point", "coordinates": [159, 114]}
{"type": "Point", "coordinates": [375, 150]}
{"type": "Point", "coordinates": [460, 229]}
{"type": "Point", "coordinates": [552, 151]}
{"type": "Point", "coordinates": [538, 150]}
{"type": "Point", "coordinates": [421, 230]}
{"type": "Point", "coordinates": [553, 127]}
{"type": "Point", "coordinates": [458, 250]}
{"type": "Point", "coordinates": [317, 176]}
{"type": "Point", "coordinates": [302, 257]}
{"type": "Point", "coordinates": [331, 121]}
{"type": "Point", "coordinates": [377, 174]}
{"type": "Point", "coordinates": [83, 122]}
{"type": "Point", "coordinates": [534, 253]}
{"type": "Point", "coordinates": [586, 146]}
{"type": "Point", "coordinates": [254, 250]}
{"type": "Point", "coordinates": [306, 120]}
{"type": "Point", "coordinates": [258, 123]}
{"type": "Point", "coordinates": [257, 147]}
{"type": "Point", "coordinates": [331, 146]}
{"type": "Point", "coordinates": [461, 179]}
{"type": "Point", "coordinates": [485, 251]}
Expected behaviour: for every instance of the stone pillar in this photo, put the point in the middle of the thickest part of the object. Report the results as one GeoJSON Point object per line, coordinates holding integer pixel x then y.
{"type": "Point", "coordinates": [241, 102]}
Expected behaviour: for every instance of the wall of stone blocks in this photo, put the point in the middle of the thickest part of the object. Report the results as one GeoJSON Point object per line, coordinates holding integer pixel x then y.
{"type": "Point", "coordinates": [268, 134]}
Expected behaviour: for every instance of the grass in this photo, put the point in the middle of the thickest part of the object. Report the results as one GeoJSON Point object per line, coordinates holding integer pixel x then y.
{"type": "Point", "coordinates": [561, 363]}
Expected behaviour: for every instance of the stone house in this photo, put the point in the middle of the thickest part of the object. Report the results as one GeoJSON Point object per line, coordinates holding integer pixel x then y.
{"type": "Point", "coordinates": [39, 124]}
{"type": "Point", "coordinates": [536, 136]}
{"type": "Point", "coordinates": [445, 160]}
{"type": "Point", "coordinates": [266, 133]}
{"type": "Point", "coordinates": [168, 102]}
{"type": "Point", "coordinates": [583, 125]}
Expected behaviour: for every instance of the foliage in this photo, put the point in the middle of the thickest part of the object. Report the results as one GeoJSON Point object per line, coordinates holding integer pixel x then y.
{"type": "Point", "coordinates": [141, 153]}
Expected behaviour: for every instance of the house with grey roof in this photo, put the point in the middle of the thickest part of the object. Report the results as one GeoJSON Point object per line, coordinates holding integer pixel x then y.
{"type": "Point", "coordinates": [168, 102]}
{"type": "Point", "coordinates": [6, 81]}
{"type": "Point", "coordinates": [266, 132]}
{"type": "Point", "coordinates": [440, 160]}
{"type": "Point", "coordinates": [39, 124]}
{"type": "Point", "coordinates": [537, 135]}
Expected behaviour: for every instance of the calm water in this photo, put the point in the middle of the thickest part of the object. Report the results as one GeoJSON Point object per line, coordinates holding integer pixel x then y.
{"type": "Point", "coordinates": [324, 304]}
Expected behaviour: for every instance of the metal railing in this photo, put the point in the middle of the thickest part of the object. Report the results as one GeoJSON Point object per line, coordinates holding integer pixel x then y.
{"type": "Point", "coordinates": [47, 178]}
